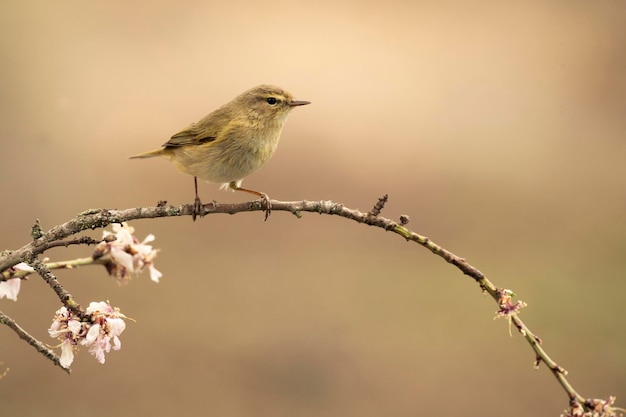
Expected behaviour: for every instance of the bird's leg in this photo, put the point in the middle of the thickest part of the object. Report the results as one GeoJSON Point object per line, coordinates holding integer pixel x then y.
{"type": "Point", "coordinates": [197, 204]}
{"type": "Point", "coordinates": [264, 197]}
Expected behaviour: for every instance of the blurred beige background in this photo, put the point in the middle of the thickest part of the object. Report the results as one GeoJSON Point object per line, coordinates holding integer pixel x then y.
{"type": "Point", "coordinates": [498, 127]}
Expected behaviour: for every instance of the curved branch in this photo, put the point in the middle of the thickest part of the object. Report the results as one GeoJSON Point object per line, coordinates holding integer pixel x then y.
{"type": "Point", "coordinates": [98, 218]}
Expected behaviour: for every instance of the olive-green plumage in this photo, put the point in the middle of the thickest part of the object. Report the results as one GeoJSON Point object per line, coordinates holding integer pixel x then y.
{"type": "Point", "coordinates": [233, 141]}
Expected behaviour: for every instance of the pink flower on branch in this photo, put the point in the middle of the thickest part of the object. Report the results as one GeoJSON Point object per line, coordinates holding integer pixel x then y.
{"type": "Point", "coordinates": [126, 256]}
{"type": "Point", "coordinates": [11, 287]}
{"type": "Point", "coordinates": [103, 324]}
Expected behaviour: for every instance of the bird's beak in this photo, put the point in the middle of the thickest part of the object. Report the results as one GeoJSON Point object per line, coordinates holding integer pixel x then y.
{"type": "Point", "coordinates": [294, 103]}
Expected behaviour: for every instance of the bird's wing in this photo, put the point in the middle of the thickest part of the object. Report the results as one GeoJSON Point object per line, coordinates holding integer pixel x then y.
{"type": "Point", "coordinates": [191, 135]}
{"type": "Point", "coordinates": [206, 130]}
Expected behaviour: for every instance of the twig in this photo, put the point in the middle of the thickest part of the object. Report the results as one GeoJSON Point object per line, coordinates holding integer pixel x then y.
{"type": "Point", "coordinates": [65, 297]}
{"type": "Point", "coordinates": [69, 264]}
{"type": "Point", "coordinates": [378, 207]}
{"type": "Point", "coordinates": [23, 334]}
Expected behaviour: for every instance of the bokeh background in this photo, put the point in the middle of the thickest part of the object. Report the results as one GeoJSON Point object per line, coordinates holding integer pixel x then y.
{"type": "Point", "coordinates": [498, 127]}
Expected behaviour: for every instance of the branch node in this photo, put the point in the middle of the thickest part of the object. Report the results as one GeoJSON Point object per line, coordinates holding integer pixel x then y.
{"type": "Point", "coordinates": [380, 204]}
{"type": "Point", "coordinates": [36, 231]}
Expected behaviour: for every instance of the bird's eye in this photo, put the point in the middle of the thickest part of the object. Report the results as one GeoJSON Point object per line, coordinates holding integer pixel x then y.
{"type": "Point", "coordinates": [271, 101]}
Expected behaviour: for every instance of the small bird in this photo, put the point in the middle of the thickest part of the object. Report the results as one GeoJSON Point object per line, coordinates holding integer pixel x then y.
{"type": "Point", "coordinates": [232, 142]}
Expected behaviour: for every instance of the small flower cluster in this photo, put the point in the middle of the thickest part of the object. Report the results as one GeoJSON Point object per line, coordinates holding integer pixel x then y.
{"type": "Point", "coordinates": [102, 324]}
{"type": "Point", "coordinates": [596, 408]}
{"type": "Point", "coordinates": [507, 307]}
{"type": "Point", "coordinates": [125, 256]}
{"type": "Point", "coordinates": [11, 287]}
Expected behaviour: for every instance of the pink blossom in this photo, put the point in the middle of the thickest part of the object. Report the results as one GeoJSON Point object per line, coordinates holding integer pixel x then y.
{"type": "Point", "coordinates": [126, 257]}
{"type": "Point", "coordinates": [10, 288]}
{"type": "Point", "coordinates": [104, 323]}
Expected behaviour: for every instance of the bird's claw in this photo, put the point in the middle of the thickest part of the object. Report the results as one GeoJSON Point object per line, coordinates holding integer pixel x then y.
{"type": "Point", "coordinates": [197, 209]}
{"type": "Point", "coordinates": [268, 205]}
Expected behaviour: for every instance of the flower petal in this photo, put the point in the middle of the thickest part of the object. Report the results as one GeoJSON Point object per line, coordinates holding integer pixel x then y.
{"type": "Point", "coordinates": [67, 354]}
{"type": "Point", "coordinates": [92, 335]}
{"type": "Point", "coordinates": [155, 274]}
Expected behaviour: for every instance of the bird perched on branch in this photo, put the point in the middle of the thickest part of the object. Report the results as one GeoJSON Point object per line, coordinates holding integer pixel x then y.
{"type": "Point", "coordinates": [232, 142]}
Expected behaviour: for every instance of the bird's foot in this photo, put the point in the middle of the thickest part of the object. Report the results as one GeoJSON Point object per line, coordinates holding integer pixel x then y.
{"type": "Point", "coordinates": [267, 203]}
{"type": "Point", "coordinates": [197, 208]}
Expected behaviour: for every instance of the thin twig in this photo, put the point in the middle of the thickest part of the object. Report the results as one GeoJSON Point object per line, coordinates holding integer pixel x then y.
{"type": "Point", "coordinates": [69, 264]}
{"type": "Point", "coordinates": [65, 297]}
{"type": "Point", "coordinates": [23, 334]}
{"type": "Point", "coordinates": [378, 207]}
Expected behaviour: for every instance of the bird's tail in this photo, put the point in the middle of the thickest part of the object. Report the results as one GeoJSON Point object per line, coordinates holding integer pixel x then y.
{"type": "Point", "coordinates": [156, 152]}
